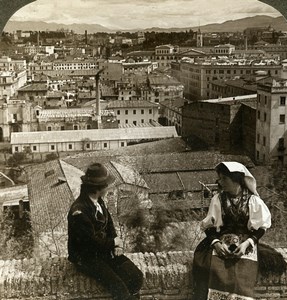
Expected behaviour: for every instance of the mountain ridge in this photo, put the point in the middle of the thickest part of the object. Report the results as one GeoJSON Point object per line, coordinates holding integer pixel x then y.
{"type": "Point", "coordinates": [278, 23]}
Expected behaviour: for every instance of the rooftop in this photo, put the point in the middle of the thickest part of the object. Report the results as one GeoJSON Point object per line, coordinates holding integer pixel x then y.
{"type": "Point", "coordinates": [131, 104]}
{"type": "Point", "coordinates": [66, 113]}
{"type": "Point", "coordinates": [43, 137]}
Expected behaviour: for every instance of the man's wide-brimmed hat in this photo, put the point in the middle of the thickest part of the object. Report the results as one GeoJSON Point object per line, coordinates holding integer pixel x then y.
{"type": "Point", "coordinates": [97, 175]}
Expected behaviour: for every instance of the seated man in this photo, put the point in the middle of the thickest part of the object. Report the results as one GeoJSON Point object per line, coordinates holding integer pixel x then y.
{"type": "Point", "coordinates": [92, 242]}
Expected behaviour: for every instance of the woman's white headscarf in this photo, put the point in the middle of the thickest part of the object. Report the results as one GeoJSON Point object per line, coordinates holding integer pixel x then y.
{"type": "Point", "coordinates": [259, 214]}
{"type": "Point", "coordinates": [249, 180]}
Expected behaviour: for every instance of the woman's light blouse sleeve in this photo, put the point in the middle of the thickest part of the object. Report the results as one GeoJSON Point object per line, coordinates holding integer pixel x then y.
{"type": "Point", "coordinates": [259, 214]}
{"type": "Point", "coordinates": [214, 215]}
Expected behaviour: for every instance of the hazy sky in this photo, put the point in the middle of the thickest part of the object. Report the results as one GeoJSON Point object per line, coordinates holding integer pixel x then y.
{"type": "Point", "coordinates": [129, 14]}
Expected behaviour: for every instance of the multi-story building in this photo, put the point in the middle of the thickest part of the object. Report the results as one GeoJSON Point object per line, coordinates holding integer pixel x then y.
{"type": "Point", "coordinates": [13, 76]}
{"type": "Point", "coordinates": [75, 64]}
{"type": "Point", "coordinates": [171, 113]}
{"type": "Point", "coordinates": [196, 76]}
{"type": "Point", "coordinates": [232, 87]}
{"type": "Point", "coordinates": [218, 123]}
{"type": "Point", "coordinates": [134, 112]}
{"type": "Point", "coordinates": [225, 49]}
{"type": "Point", "coordinates": [32, 49]}
{"type": "Point", "coordinates": [271, 121]}
{"type": "Point", "coordinates": [16, 116]}
{"type": "Point", "coordinates": [8, 64]}
{"type": "Point", "coordinates": [30, 91]}
{"type": "Point", "coordinates": [143, 67]}
{"type": "Point", "coordinates": [162, 87]}
{"type": "Point", "coordinates": [165, 54]}
{"type": "Point", "coordinates": [11, 82]}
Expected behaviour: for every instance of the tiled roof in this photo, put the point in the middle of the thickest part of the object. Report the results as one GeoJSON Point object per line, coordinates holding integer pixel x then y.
{"type": "Point", "coordinates": [131, 104]}
{"type": "Point", "coordinates": [81, 160]}
{"type": "Point", "coordinates": [187, 161]}
{"type": "Point", "coordinates": [64, 113]}
{"type": "Point", "coordinates": [93, 134]}
{"type": "Point", "coordinates": [34, 87]}
{"type": "Point", "coordinates": [163, 80]}
{"type": "Point", "coordinates": [50, 198]}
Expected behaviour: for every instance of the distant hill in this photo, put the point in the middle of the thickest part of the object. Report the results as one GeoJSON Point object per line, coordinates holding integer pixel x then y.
{"type": "Point", "coordinates": [42, 26]}
{"type": "Point", "coordinates": [278, 23]}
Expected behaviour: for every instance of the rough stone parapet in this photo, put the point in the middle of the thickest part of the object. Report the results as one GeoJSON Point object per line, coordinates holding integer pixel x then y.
{"type": "Point", "coordinates": [167, 276]}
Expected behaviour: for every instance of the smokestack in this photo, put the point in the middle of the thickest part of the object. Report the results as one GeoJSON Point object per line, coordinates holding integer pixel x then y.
{"type": "Point", "coordinates": [98, 98]}
{"type": "Point", "coordinates": [86, 37]}
{"type": "Point", "coordinates": [246, 43]}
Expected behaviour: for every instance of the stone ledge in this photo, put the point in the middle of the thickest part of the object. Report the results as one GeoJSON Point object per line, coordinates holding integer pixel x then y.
{"type": "Point", "coordinates": [167, 276]}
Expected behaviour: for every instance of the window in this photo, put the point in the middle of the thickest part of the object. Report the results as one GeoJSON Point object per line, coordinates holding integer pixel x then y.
{"type": "Point", "coordinates": [150, 111]}
{"type": "Point", "coordinates": [257, 155]}
{"type": "Point", "coordinates": [265, 117]}
{"type": "Point", "coordinates": [88, 145]}
{"type": "Point", "coordinates": [76, 127]}
{"type": "Point", "coordinates": [126, 121]}
{"type": "Point", "coordinates": [70, 146]}
{"type": "Point", "coordinates": [62, 127]}
{"type": "Point", "coordinates": [126, 112]}
{"type": "Point", "coordinates": [135, 122]}
{"type": "Point", "coordinates": [89, 126]}
{"type": "Point", "coordinates": [282, 119]}
{"type": "Point", "coordinates": [16, 149]}
{"type": "Point", "coordinates": [49, 128]}
{"type": "Point", "coordinates": [134, 111]}
{"type": "Point", "coordinates": [264, 141]}
{"type": "Point", "coordinates": [122, 144]}
{"type": "Point", "coordinates": [258, 114]}
{"type": "Point", "coordinates": [105, 145]}
{"type": "Point", "coordinates": [282, 100]}
{"type": "Point", "coordinates": [34, 148]}
{"type": "Point", "coordinates": [118, 112]}
{"type": "Point", "coordinates": [265, 102]}
{"type": "Point", "coordinates": [52, 147]}
{"type": "Point", "coordinates": [142, 111]}
{"type": "Point", "coordinates": [258, 138]}
{"type": "Point", "coordinates": [142, 120]}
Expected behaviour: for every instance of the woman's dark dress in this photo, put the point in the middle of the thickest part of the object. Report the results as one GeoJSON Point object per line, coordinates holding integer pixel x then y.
{"type": "Point", "coordinates": [231, 221]}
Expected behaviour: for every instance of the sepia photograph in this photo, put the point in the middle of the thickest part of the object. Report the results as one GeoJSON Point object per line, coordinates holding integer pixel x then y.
{"type": "Point", "coordinates": [142, 149]}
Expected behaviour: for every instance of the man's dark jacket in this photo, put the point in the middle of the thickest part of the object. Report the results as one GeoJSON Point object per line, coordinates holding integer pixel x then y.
{"type": "Point", "coordinates": [88, 236]}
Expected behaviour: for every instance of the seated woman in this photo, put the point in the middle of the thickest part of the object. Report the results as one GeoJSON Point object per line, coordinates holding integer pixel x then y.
{"type": "Point", "coordinates": [225, 262]}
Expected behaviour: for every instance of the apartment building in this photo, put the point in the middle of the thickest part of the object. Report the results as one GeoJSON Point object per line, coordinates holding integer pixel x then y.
{"type": "Point", "coordinates": [134, 112]}
{"type": "Point", "coordinates": [271, 123]}
{"type": "Point", "coordinates": [197, 76]}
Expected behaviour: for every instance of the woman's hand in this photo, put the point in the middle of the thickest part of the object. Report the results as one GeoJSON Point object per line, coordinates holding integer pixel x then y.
{"type": "Point", "coordinates": [241, 249]}
{"type": "Point", "coordinates": [221, 249]}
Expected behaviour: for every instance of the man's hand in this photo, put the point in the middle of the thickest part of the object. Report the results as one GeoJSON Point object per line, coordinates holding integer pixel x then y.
{"type": "Point", "coordinates": [119, 242]}
{"type": "Point", "coordinates": [118, 247]}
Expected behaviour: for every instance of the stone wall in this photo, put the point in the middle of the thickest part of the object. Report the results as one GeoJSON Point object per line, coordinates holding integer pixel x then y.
{"type": "Point", "coordinates": [167, 276]}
